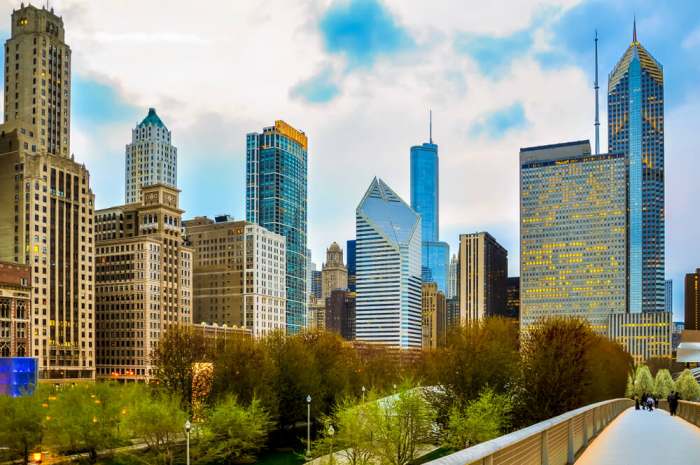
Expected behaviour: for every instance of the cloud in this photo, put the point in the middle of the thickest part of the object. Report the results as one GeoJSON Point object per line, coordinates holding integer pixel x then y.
{"type": "Point", "coordinates": [493, 54]}
{"type": "Point", "coordinates": [362, 30]}
{"type": "Point", "coordinates": [320, 88]}
{"type": "Point", "coordinates": [499, 122]}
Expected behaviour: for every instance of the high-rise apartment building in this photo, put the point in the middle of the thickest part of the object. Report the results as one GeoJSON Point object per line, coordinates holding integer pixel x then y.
{"type": "Point", "coordinates": [150, 157]}
{"type": "Point", "coordinates": [238, 274]}
{"type": "Point", "coordinates": [636, 130]}
{"type": "Point", "coordinates": [573, 233]}
{"type": "Point", "coordinates": [276, 198]}
{"type": "Point", "coordinates": [452, 277]}
{"type": "Point", "coordinates": [513, 298]}
{"type": "Point", "coordinates": [425, 200]}
{"type": "Point", "coordinates": [434, 317]}
{"type": "Point", "coordinates": [692, 301]}
{"type": "Point", "coordinates": [46, 204]}
{"type": "Point", "coordinates": [335, 274]}
{"type": "Point", "coordinates": [15, 310]}
{"type": "Point", "coordinates": [143, 281]}
{"type": "Point", "coordinates": [388, 254]}
{"type": "Point", "coordinates": [352, 270]}
{"type": "Point", "coordinates": [644, 335]}
{"type": "Point", "coordinates": [668, 295]}
{"type": "Point", "coordinates": [482, 275]}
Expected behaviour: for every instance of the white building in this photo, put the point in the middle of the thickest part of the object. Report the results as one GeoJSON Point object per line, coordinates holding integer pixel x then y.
{"type": "Point", "coordinates": [388, 257]}
{"type": "Point", "coordinates": [150, 157]}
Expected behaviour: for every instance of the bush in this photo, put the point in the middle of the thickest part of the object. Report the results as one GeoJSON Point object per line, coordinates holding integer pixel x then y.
{"type": "Point", "coordinates": [485, 418]}
{"type": "Point", "coordinates": [663, 384]}
{"type": "Point", "coordinates": [687, 386]}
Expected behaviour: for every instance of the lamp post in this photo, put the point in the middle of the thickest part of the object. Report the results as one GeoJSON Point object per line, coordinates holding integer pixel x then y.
{"type": "Point", "coordinates": [331, 432]}
{"type": "Point", "coordinates": [308, 426]}
{"type": "Point", "coordinates": [188, 426]}
{"type": "Point", "coordinates": [363, 394]}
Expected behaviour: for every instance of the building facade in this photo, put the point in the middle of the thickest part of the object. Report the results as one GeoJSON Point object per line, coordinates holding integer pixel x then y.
{"type": "Point", "coordinates": [388, 259]}
{"type": "Point", "coordinates": [340, 313]}
{"type": "Point", "coordinates": [276, 199]}
{"type": "Point", "coordinates": [452, 313]}
{"type": "Point", "coordinates": [573, 236]}
{"type": "Point", "coordinates": [143, 281]}
{"type": "Point", "coordinates": [513, 298]}
{"type": "Point", "coordinates": [352, 270]}
{"type": "Point", "coordinates": [15, 310]}
{"type": "Point", "coordinates": [692, 301]}
{"type": "Point", "coordinates": [643, 335]}
{"type": "Point", "coordinates": [335, 274]}
{"type": "Point", "coordinates": [434, 317]}
{"type": "Point", "coordinates": [316, 283]}
{"type": "Point", "coordinates": [482, 275]}
{"type": "Point", "coordinates": [452, 277]}
{"type": "Point", "coordinates": [46, 203]}
{"type": "Point", "coordinates": [668, 295]}
{"type": "Point", "coordinates": [636, 130]}
{"type": "Point", "coordinates": [238, 275]}
{"type": "Point", "coordinates": [150, 157]}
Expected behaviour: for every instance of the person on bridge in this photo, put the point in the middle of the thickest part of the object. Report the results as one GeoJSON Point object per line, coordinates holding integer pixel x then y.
{"type": "Point", "coordinates": [644, 400]}
{"type": "Point", "coordinates": [636, 402]}
{"type": "Point", "coordinates": [650, 403]}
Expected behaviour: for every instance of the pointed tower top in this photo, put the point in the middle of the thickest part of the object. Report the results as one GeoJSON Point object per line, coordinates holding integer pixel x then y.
{"type": "Point", "coordinates": [634, 29]}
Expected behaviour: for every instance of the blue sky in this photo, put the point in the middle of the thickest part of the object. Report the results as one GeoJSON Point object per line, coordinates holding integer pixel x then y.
{"type": "Point", "coordinates": [358, 76]}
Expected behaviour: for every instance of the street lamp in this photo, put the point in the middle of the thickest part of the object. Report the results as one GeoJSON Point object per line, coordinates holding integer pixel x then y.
{"type": "Point", "coordinates": [188, 426]}
{"type": "Point", "coordinates": [331, 432]}
{"type": "Point", "coordinates": [363, 394]}
{"type": "Point", "coordinates": [308, 426]}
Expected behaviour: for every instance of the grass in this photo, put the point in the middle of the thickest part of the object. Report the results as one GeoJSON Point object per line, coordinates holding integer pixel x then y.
{"type": "Point", "coordinates": [281, 457]}
{"type": "Point", "coordinates": [436, 454]}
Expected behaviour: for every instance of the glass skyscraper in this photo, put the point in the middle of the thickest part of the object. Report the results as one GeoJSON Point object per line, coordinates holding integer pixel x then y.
{"type": "Point", "coordinates": [276, 194]}
{"type": "Point", "coordinates": [636, 129]}
{"type": "Point", "coordinates": [352, 271]}
{"type": "Point", "coordinates": [425, 200]}
{"type": "Point", "coordinates": [388, 264]}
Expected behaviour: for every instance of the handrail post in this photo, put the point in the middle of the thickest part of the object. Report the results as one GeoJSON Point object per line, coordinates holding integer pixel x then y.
{"type": "Point", "coordinates": [570, 442]}
{"type": "Point", "coordinates": [544, 456]}
{"type": "Point", "coordinates": [585, 430]}
{"type": "Point", "coordinates": [595, 422]}
{"type": "Point", "coordinates": [488, 460]}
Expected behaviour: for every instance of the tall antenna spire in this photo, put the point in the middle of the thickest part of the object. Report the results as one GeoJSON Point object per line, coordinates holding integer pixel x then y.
{"type": "Point", "coordinates": [595, 86]}
{"type": "Point", "coordinates": [431, 126]}
{"type": "Point", "coordinates": [634, 29]}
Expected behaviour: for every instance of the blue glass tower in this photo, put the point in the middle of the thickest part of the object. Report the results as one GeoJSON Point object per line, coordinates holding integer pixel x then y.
{"type": "Point", "coordinates": [276, 193]}
{"type": "Point", "coordinates": [636, 129]}
{"type": "Point", "coordinates": [425, 200]}
{"type": "Point", "coordinates": [352, 270]}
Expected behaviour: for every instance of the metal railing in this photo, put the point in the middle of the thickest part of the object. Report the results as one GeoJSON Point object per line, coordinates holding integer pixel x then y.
{"type": "Point", "coordinates": [556, 441]}
{"type": "Point", "coordinates": [689, 411]}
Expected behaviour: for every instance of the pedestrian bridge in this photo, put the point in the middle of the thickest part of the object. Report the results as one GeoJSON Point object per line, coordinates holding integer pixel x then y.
{"type": "Point", "coordinates": [606, 433]}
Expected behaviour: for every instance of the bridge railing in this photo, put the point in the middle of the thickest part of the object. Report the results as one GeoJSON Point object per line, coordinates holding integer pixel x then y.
{"type": "Point", "coordinates": [689, 411]}
{"type": "Point", "coordinates": [556, 441]}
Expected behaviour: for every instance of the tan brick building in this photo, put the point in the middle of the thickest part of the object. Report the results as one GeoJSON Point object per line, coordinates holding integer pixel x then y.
{"type": "Point", "coordinates": [434, 317]}
{"type": "Point", "coordinates": [15, 310]}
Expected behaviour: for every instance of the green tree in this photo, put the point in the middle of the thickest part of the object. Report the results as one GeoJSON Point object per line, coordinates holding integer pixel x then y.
{"type": "Point", "coordinates": [484, 418]}
{"type": "Point", "coordinates": [85, 418]}
{"type": "Point", "coordinates": [688, 386]}
{"type": "Point", "coordinates": [234, 433]}
{"type": "Point", "coordinates": [354, 435]}
{"type": "Point", "coordinates": [663, 384]}
{"type": "Point", "coordinates": [643, 381]}
{"type": "Point", "coordinates": [21, 425]}
{"type": "Point", "coordinates": [157, 419]}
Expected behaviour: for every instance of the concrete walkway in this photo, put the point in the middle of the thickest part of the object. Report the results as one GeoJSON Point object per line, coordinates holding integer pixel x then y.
{"type": "Point", "coordinates": [639, 437]}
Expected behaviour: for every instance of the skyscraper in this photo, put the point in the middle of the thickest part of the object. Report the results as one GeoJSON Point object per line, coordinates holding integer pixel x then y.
{"type": "Point", "coordinates": [150, 157]}
{"type": "Point", "coordinates": [692, 300]}
{"type": "Point", "coordinates": [46, 203]}
{"type": "Point", "coordinates": [572, 233]}
{"type": "Point", "coordinates": [334, 274]}
{"type": "Point", "coordinates": [351, 265]}
{"type": "Point", "coordinates": [388, 305]}
{"type": "Point", "coordinates": [276, 194]}
{"type": "Point", "coordinates": [513, 298]}
{"type": "Point", "coordinates": [636, 130]}
{"type": "Point", "coordinates": [434, 317]}
{"type": "Point", "coordinates": [481, 276]}
{"type": "Point", "coordinates": [452, 277]}
{"type": "Point", "coordinates": [668, 295]}
{"type": "Point", "coordinates": [425, 200]}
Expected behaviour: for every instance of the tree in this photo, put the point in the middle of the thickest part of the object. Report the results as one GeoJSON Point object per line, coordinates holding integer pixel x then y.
{"type": "Point", "coordinates": [233, 433]}
{"type": "Point", "coordinates": [85, 418]}
{"type": "Point", "coordinates": [663, 384]}
{"type": "Point", "coordinates": [485, 418]}
{"type": "Point", "coordinates": [354, 434]}
{"type": "Point", "coordinates": [179, 349]}
{"type": "Point", "coordinates": [157, 419]}
{"type": "Point", "coordinates": [21, 424]}
{"type": "Point", "coordinates": [401, 423]}
{"type": "Point", "coordinates": [688, 386]}
{"type": "Point", "coordinates": [643, 381]}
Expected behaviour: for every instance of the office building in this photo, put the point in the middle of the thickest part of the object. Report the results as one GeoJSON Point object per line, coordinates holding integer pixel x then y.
{"type": "Point", "coordinates": [334, 275]}
{"type": "Point", "coordinates": [150, 157]}
{"type": "Point", "coordinates": [452, 277]}
{"type": "Point", "coordinates": [692, 301]}
{"type": "Point", "coordinates": [276, 198]}
{"type": "Point", "coordinates": [512, 298]}
{"type": "Point", "coordinates": [482, 274]}
{"type": "Point", "coordinates": [317, 314]}
{"type": "Point", "coordinates": [143, 284]}
{"type": "Point", "coordinates": [573, 234]}
{"type": "Point", "coordinates": [46, 203]}
{"type": "Point", "coordinates": [452, 313]}
{"type": "Point", "coordinates": [636, 130]}
{"type": "Point", "coordinates": [316, 283]}
{"type": "Point", "coordinates": [643, 335]}
{"type": "Point", "coordinates": [239, 274]}
{"type": "Point", "coordinates": [668, 295]}
{"type": "Point", "coordinates": [340, 313]}
{"type": "Point", "coordinates": [425, 200]}
{"type": "Point", "coordinates": [352, 271]}
{"type": "Point", "coordinates": [388, 258]}
{"type": "Point", "coordinates": [434, 317]}
{"type": "Point", "coordinates": [15, 310]}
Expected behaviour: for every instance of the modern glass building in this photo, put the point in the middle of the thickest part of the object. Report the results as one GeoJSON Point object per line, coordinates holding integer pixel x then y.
{"type": "Point", "coordinates": [636, 129]}
{"type": "Point", "coordinates": [352, 271]}
{"type": "Point", "coordinates": [388, 264]}
{"type": "Point", "coordinates": [425, 200]}
{"type": "Point", "coordinates": [573, 235]}
{"type": "Point", "coordinates": [276, 196]}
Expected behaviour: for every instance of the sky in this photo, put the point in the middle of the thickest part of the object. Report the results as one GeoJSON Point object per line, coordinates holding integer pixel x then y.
{"type": "Point", "coordinates": [359, 77]}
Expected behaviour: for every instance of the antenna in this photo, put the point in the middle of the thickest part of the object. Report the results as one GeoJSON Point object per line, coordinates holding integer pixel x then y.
{"type": "Point", "coordinates": [431, 126]}
{"type": "Point", "coordinates": [595, 86]}
{"type": "Point", "coordinates": [634, 29]}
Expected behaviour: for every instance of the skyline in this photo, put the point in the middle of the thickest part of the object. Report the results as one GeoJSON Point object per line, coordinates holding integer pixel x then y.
{"type": "Point", "coordinates": [481, 120]}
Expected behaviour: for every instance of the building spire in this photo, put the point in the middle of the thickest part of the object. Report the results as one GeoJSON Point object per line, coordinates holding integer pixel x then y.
{"type": "Point", "coordinates": [634, 30]}
{"type": "Point", "coordinates": [430, 128]}
{"type": "Point", "coordinates": [595, 86]}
